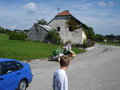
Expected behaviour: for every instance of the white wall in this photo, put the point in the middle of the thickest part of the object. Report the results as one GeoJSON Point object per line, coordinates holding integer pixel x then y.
{"type": "Point", "coordinates": [77, 36]}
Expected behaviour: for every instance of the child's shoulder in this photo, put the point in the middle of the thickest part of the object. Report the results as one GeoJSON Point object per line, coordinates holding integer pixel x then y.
{"type": "Point", "coordinates": [60, 71]}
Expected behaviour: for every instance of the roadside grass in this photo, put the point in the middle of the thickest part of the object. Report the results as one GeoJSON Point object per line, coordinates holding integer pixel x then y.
{"type": "Point", "coordinates": [76, 50]}
{"type": "Point", "coordinates": [26, 50]}
{"type": "Point", "coordinates": [111, 44]}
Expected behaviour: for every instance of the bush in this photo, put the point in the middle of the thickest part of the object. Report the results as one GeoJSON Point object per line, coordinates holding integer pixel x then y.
{"type": "Point", "coordinates": [89, 32]}
{"type": "Point", "coordinates": [53, 37]}
{"type": "Point", "coordinates": [90, 43]}
{"type": "Point", "coordinates": [99, 38]}
{"type": "Point", "coordinates": [17, 36]}
{"type": "Point", "coordinates": [84, 45]}
{"type": "Point", "coordinates": [77, 45]}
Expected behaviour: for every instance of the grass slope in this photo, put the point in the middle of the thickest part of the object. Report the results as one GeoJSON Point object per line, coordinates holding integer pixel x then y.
{"type": "Point", "coordinates": [26, 50]}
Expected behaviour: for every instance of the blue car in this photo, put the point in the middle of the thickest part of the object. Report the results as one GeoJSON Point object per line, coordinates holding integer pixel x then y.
{"type": "Point", "coordinates": [14, 75]}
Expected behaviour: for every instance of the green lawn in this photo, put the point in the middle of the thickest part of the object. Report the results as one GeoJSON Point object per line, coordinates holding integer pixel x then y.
{"type": "Point", "coordinates": [104, 43]}
{"type": "Point", "coordinates": [26, 50]}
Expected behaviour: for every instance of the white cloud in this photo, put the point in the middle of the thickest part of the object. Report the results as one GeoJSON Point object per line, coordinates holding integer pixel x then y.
{"type": "Point", "coordinates": [13, 27]}
{"type": "Point", "coordinates": [30, 6]}
{"type": "Point", "coordinates": [85, 11]}
{"type": "Point", "coordinates": [102, 4]}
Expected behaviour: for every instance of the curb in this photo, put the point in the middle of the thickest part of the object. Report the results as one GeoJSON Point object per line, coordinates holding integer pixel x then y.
{"type": "Point", "coordinates": [90, 48]}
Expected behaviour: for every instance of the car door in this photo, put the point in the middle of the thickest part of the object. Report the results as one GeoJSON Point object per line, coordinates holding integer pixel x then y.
{"type": "Point", "coordinates": [9, 77]}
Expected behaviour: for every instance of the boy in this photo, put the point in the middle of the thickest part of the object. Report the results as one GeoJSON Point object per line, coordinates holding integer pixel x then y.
{"type": "Point", "coordinates": [60, 80]}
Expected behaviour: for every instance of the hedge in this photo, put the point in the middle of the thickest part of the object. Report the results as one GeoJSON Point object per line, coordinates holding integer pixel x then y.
{"type": "Point", "coordinates": [17, 36]}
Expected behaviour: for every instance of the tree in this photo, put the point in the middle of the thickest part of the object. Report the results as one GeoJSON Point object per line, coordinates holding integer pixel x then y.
{"type": "Point", "coordinates": [42, 22]}
{"type": "Point", "coordinates": [53, 37]}
{"type": "Point", "coordinates": [84, 26]}
{"type": "Point", "coordinates": [110, 37]}
{"type": "Point", "coordinates": [99, 38]}
{"type": "Point", "coordinates": [117, 37]}
{"type": "Point", "coordinates": [89, 32]}
{"type": "Point", "coordinates": [2, 30]}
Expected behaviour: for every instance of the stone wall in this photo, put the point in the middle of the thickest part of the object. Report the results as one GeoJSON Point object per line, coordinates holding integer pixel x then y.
{"type": "Point", "coordinates": [37, 33]}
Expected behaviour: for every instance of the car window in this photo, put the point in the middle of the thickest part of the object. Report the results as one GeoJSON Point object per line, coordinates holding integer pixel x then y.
{"type": "Point", "coordinates": [9, 67]}
{"type": "Point", "coordinates": [19, 66]}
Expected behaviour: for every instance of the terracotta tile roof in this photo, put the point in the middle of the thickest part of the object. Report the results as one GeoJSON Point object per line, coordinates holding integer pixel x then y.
{"type": "Point", "coordinates": [64, 13]}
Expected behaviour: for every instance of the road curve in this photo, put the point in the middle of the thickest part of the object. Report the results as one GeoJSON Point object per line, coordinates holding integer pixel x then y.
{"type": "Point", "coordinates": [97, 69]}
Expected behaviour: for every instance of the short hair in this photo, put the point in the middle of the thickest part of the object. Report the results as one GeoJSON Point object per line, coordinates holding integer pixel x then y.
{"type": "Point", "coordinates": [64, 61]}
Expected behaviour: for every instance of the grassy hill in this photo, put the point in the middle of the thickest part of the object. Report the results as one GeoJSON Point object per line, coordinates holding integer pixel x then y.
{"type": "Point", "coordinates": [26, 50]}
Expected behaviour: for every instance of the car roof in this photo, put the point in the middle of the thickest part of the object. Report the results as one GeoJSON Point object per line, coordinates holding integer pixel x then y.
{"type": "Point", "coordinates": [6, 59]}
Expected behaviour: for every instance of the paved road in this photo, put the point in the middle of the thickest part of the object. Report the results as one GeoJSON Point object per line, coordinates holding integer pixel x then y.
{"type": "Point", "coordinates": [97, 69]}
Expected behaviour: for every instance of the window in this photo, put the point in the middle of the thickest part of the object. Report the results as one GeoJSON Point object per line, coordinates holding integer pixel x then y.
{"type": "Point", "coordinates": [70, 29]}
{"type": "Point", "coordinates": [58, 28]}
{"type": "Point", "coordinates": [19, 66]}
{"type": "Point", "coordinates": [10, 66]}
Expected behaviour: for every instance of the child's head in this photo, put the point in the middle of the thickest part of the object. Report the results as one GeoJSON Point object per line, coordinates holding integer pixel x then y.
{"type": "Point", "coordinates": [64, 61]}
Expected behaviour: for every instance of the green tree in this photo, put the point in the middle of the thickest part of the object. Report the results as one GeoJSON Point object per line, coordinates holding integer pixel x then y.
{"type": "Point", "coordinates": [42, 22]}
{"type": "Point", "coordinates": [89, 32]}
{"type": "Point", "coordinates": [84, 26]}
{"type": "Point", "coordinates": [2, 30]}
{"type": "Point", "coordinates": [99, 38]}
{"type": "Point", "coordinates": [110, 37]}
{"type": "Point", "coordinates": [53, 37]}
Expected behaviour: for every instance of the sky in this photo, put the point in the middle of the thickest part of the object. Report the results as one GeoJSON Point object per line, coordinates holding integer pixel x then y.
{"type": "Point", "coordinates": [102, 15]}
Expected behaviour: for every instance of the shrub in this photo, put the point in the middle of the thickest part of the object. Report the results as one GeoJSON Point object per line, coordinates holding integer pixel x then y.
{"type": "Point", "coordinates": [53, 37]}
{"type": "Point", "coordinates": [77, 45]}
{"type": "Point", "coordinates": [90, 43]}
{"type": "Point", "coordinates": [84, 44]}
{"type": "Point", "coordinates": [17, 36]}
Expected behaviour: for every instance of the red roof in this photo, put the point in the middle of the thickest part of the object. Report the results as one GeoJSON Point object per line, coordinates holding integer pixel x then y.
{"type": "Point", "coordinates": [64, 13]}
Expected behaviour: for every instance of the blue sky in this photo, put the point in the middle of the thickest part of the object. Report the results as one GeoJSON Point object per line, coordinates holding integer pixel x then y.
{"type": "Point", "coordinates": [102, 15]}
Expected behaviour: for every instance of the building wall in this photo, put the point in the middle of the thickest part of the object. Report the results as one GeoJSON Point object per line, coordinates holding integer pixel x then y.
{"type": "Point", "coordinates": [37, 33]}
{"type": "Point", "coordinates": [60, 23]}
{"type": "Point", "coordinates": [74, 36]}
{"type": "Point", "coordinates": [63, 28]}
{"type": "Point", "coordinates": [83, 37]}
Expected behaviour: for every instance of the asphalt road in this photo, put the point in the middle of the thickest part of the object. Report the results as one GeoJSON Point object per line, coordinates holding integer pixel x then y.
{"type": "Point", "coordinates": [97, 69]}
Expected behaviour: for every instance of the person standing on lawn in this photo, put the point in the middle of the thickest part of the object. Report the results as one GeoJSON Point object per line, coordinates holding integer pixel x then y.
{"type": "Point", "coordinates": [60, 80]}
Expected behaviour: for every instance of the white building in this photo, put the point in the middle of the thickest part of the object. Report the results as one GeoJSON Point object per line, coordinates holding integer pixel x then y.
{"type": "Point", "coordinates": [59, 22]}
